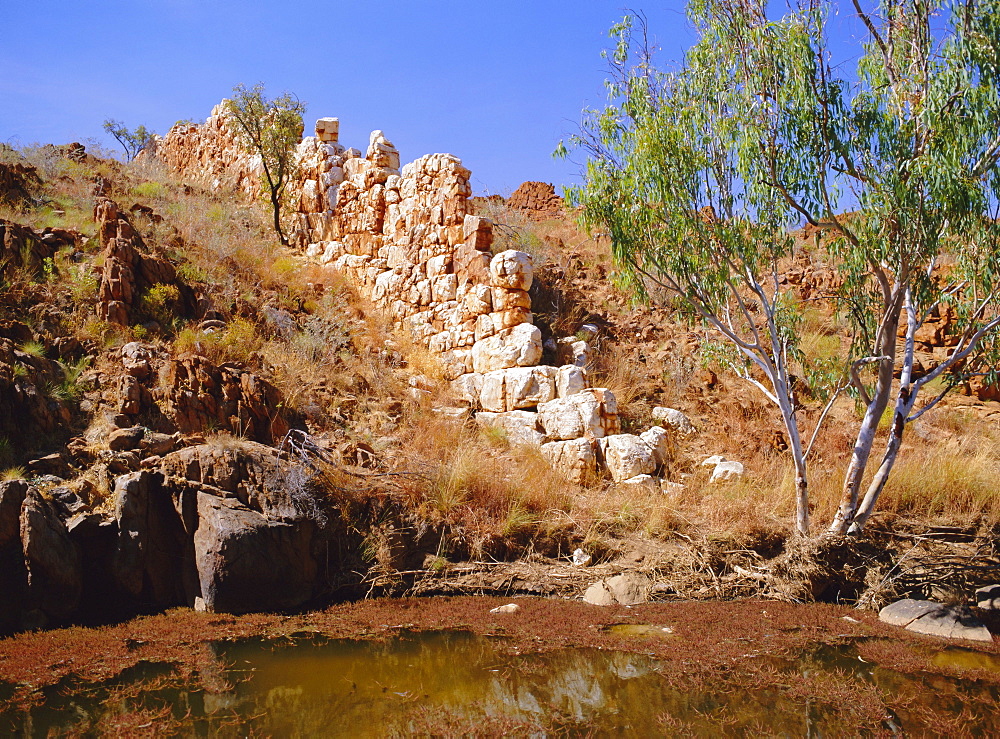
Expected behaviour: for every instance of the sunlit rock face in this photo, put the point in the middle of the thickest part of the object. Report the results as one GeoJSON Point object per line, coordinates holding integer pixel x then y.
{"type": "Point", "coordinates": [405, 237]}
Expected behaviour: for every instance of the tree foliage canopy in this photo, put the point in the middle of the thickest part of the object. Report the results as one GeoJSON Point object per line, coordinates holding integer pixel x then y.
{"type": "Point", "coordinates": [699, 173]}
{"type": "Point", "coordinates": [131, 141]}
{"type": "Point", "coordinates": [269, 130]}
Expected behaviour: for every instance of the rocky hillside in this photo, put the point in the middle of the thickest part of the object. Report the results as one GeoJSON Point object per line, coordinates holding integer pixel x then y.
{"type": "Point", "coordinates": [191, 415]}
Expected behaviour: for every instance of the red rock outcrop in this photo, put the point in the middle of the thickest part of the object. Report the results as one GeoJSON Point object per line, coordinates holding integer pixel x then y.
{"type": "Point", "coordinates": [21, 248]}
{"type": "Point", "coordinates": [27, 408]}
{"type": "Point", "coordinates": [128, 271]}
{"type": "Point", "coordinates": [18, 182]}
{"type": "Point", "coordinates": [197, 395]}
{"type": "Point", "coordinates": [537, 200]}
{"type": "Point", "coordinates": [405, 237]}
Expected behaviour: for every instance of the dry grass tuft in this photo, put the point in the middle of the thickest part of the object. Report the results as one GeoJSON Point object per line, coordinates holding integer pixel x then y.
{"type": "Point", "coordinates": [226, 441]}
{"type": "Point", "coordinates": [238, 342]}
{"type": "Point", "coordinates": [474, 482]}
{"type": "Point", "coordinates": [615, 369]}
{"type": "Point", "coordinates": [955, 479]}
{"type": "Point", "coordinates": [13, 473]}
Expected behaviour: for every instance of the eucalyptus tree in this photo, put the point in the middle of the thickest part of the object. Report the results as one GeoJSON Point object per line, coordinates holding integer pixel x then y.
{"type": "Point", "coordinates": [131, 141]}
{"type": "Point", "coordinates": [698, 174]}
{"type": "Point", "coordinates": [269, 130]}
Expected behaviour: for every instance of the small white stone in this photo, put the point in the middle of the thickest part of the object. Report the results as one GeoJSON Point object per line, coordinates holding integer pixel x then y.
{"type": "Point", "coordinates": [675, 419]}
{"type": "Point", "coordinates": [509, 608]}
{"type": "Point", "coordinates": [642, 482]}
{"type": "Point", "coordinates": [671, 488]}
{"type": "Point", "coordinates": [727, 471]}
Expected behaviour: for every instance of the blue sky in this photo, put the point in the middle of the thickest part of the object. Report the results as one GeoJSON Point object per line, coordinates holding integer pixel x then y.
{"type": "Point", "coordinates": [495, 83]}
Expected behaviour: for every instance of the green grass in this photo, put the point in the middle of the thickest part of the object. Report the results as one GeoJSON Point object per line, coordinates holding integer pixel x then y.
{"type": "Point", "coordinates": [71, 388]}
{"type": "Point", "coordinates": [150, 191]}
{"type": "Point", "coordinates": [33, 349]}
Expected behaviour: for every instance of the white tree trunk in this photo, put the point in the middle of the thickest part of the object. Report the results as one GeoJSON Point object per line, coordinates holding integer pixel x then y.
{"type": "Point", "coordinates": [856, 470]}
{"type": "Point", "coordinates": [905, 398]}
{"type": "Point", "coordinates": [861, 454]}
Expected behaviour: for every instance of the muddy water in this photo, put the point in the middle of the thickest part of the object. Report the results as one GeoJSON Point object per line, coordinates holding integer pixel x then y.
{"type": "Point", "coordinates": [460, 683]}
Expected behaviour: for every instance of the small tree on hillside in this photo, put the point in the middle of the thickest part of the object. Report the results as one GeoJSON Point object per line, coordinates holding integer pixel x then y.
{"type": "Point", "coordinates": [698, 175]}
{"type": "Point", "coordinates": [132, 141]}
{"type": "Point", "coordinates": [269, 130]}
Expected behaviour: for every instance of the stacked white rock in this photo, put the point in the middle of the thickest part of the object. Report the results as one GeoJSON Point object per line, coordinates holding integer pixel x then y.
{"type": "Point", "coordinates": [406, 239]}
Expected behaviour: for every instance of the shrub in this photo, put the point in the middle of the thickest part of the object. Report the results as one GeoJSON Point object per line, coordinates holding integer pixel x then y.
{"type": "Point", "coordinates": [190, 272]}
{"type": "Point", "coordinates": [82, 283]}
{"type": "Point", "coordinates": [71, 388]}
{"type": "Point", "coordinates": [161, 303]}
{"type": "Point", "coordinates": [284, 266]}
{"type": "Point", "coordinates": [150, 191]}
{"type": "Point", "coordinates": [238, 342]}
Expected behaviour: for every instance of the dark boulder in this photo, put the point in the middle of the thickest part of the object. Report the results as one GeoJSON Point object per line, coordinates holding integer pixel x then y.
{"type": "Point", "coordinates": [12, 494]}
{"type": "Point", "coordinates": [153, 563]}
{"type": "Point", "coordinates": [247, 562]}
{"type": "Point", "coordinates": [52, 559]}
{"type": "Point", "coordinates": [13, 576]}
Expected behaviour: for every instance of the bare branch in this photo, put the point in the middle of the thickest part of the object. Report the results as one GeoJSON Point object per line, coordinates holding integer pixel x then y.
{"type": "Point", "coordinates": [822, 417]}
{"type": "Point", "coordinates": [856, 382]}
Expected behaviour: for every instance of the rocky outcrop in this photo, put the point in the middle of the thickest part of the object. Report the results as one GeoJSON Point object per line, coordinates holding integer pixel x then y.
{"type": "Point", "coordinates": [811, 278]}
{"type": "Point", "coordinates": [55, 577]}
{"type": "Point", "coordinates": [249, 525]}
{"type": "Point", "coordinates": [406, 239]}
{"type": "Point", "coordinates": [154, 392]}
{"type": "Point", "coordinates": [626, 455]}
{"type": "Point", "coordinates": [18, 183]}
{"type": "Point", "coordinates": [21, 248]}
{"type": "Point", "coordinates": [129, 272]}
{"type": "Point", "coordinates": [537, 200]}
{"type": "Point", "coordinates": [249, 562]}
{"type": "Point", "coordinates": [520, 427]}
{"type": "Point", "coordinates": [591, 413]}
{"type": "Point", "coordinates": [13, 577]}
{"type": "Point", "coordinates": [574, 459]}
{"type": "Point", "coordinates": [206, 154]}
{"type": "Point", "coordinates": [674, 419]}
{"type": "Point", "coordinates": [29, 409]}
{"type": "Point", "coordinates": [12, 495]}
{"type": "Point", "coordinates": [153, 559]}
{"type": "Point", "coordinates": [195, 395]}
{"type": "Point", "coordinates": [935, 619]}
{"type": "Point", "coordinates": [229, 527]}
{"type": "Point", "coordinates": [254, 474]}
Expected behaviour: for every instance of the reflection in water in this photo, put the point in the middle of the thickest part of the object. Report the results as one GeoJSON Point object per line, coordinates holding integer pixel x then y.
{"type": "Point", "coordinates": [967, 659]}
{"type": "Point", "coordinates": [648, 631]}
{"type": "Point", "coordinates": [405, 684]}
{"type": "Point", "coordinates": [453, 683]}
